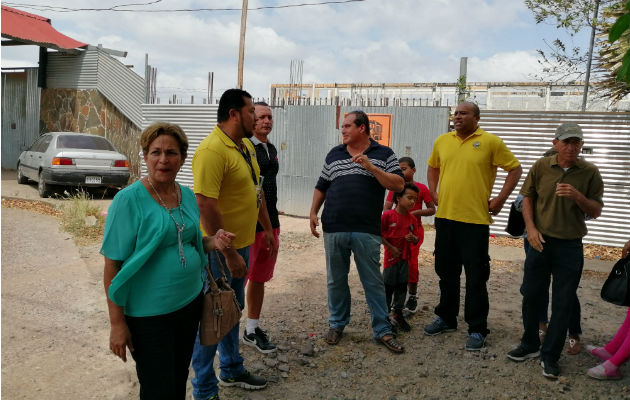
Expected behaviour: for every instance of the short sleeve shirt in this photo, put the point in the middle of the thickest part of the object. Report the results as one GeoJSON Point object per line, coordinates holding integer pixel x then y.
{"type": "Point", "coordinates": [140, 233]}
{"type": "Point", "coordinates": [468, 169]}
{"type": "Point", "coordinates": [560, 217]}
{"type": "Point", "coordinates": [221, 172]}
{"type": "Point", "coordinates": [394, 228]}
{"type": "Point", "coordinates": [353, 196]}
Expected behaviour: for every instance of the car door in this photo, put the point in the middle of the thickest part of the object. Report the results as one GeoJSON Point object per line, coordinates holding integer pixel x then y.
{"type": "Point", "coordinates": [28, 160]}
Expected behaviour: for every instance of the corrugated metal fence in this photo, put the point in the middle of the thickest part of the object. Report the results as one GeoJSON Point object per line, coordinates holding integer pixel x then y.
{"type": "Point", "coordinates": [606, 144]}
{"type": "Point", "coordinates": [197, 121]}
{"type": "Point", "coordinates": [95, 69]}
{"type": "Point", "coordinates": [305, 134]}
{"type": "Point", "coordinates": [20, 114]}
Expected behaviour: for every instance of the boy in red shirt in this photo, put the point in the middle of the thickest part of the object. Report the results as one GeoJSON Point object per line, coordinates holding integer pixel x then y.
{"type": "Point", "coordinates": [399, 233]}
{"type": "Point", "coordinates": [408, 167]}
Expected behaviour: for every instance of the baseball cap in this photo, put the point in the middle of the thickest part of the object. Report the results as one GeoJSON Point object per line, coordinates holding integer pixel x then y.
{"type": "Point", "coordinates": [568, 130]}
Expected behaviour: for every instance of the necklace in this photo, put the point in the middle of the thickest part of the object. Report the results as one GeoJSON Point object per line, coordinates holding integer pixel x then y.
{"type": "Point", "coordinates": [180, 229]}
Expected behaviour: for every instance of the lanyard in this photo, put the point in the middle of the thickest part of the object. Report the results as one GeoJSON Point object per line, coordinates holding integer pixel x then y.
{"type": "Point", "coordinates": [248, 159]}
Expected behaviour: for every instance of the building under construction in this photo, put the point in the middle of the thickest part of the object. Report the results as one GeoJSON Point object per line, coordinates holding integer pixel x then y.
{"type": "Point", "coordinates": [535, 96]}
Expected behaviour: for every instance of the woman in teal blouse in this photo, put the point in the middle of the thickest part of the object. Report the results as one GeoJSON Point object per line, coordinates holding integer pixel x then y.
{"type": "Point", "coordinates": [154, 258]}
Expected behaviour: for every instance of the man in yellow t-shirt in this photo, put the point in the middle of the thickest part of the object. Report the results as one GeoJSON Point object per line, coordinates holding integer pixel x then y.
{"type": "Point", "coordinates": [465, 162]}
{"type": "Point", "coordinates": [226, 180]}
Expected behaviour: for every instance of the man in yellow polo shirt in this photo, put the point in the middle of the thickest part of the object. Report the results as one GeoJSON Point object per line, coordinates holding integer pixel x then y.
{"type": "Point", "coordinates": [465, 162]}
{"type": "Point", "coordinates": [226, 180]}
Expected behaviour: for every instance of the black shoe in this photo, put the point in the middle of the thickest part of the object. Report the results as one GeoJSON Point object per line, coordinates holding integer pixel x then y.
{"type": "Point", "coordinates": [259, 340]}
{"type": "Point", "coordinates": [412, 303]}
{"type": "Point", "coordinates": [245, 381]}
{"type": "Point", "coordinates": [551, 370]}
{"type": "Point", "coordinates": [403, 325]}
{"type": "Point", "coordinates": [521, 353]}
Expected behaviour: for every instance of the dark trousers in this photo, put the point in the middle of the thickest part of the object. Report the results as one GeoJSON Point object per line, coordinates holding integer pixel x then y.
{"type": "Point", "coordinates": [563, 260]}
{"type": "Point", "coordinates": [460, 244]}
{"type": "Point", "coordinates": [395, 278]}
{"type": "Point", "coordinates": [575, 326]}
{"type": "Point", "coordinates": [163, 346]}
{"type": "Point", "coordinates": [395, 296]}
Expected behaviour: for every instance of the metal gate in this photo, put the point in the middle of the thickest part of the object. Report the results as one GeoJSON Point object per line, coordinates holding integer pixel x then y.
{"type": "Point", "coordinates": [20, 114]}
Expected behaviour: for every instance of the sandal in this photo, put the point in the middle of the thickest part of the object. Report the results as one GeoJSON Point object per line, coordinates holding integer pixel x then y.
{"type": "Point", "coordinates": [333, 336]}
{"type": "Point", "coordinates": [574, 347]}
{"type": "Point", "coordinates": [391, 343]}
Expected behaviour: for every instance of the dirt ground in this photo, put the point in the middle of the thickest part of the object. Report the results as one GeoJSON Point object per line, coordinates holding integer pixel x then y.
{"type": "Point", "coordinates": [55, 331]}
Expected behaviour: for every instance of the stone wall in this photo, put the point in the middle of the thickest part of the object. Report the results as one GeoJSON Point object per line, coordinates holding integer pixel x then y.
{"type": "Point", "coordinates": [88, 111]}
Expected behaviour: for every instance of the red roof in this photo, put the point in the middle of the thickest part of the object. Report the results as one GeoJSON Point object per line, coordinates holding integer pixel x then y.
{"type": "Point", "coordinates": [33, 29]}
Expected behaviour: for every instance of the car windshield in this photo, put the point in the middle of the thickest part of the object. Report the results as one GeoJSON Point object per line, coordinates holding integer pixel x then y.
{"type": "Point", "coordinates": [87, 142]}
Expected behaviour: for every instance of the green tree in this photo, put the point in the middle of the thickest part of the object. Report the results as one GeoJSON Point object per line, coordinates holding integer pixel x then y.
{"type": "Point", "coordinates": [614, 51]}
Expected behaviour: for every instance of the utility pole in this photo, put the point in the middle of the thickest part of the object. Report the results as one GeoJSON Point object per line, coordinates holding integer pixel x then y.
{"type": "Point", "coordinates": [241, 47]}
{"type": "Point", "coordinates": [589, 61]}
{"type": "Point", "coordinates": [461, 81]}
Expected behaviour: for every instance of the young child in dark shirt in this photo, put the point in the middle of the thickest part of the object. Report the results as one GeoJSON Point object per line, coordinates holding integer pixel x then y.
{"type": "Point", "coordinates": [399, 232]}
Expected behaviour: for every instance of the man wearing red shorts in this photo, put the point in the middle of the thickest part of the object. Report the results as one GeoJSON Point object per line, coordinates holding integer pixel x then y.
{"type": "Point", "coordinates": [262, 260]}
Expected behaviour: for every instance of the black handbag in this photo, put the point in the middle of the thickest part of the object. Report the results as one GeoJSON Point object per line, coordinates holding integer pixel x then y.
{"type": "Point", "coordinates": [516, 223]}
{"type": "Point", "coordinates": [616, 289]}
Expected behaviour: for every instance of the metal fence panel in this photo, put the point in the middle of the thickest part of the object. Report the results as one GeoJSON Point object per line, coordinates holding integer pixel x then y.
{"type": "Point", "coordinates": [606, 144]}
{"type": "Point", "coordinates": [197, 121]}
{"type": "Point", "coordinates": [72, 71]}
{"type": "Point", "coordinates": [305, 134]}
{"type": "Point", "coordinates": [121, 86]}
{"type": "Point", "coordinates": [20, 114]}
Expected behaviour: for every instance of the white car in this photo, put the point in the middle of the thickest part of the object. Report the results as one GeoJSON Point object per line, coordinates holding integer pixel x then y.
{"type": "Point", "coordinates": [72, 159]}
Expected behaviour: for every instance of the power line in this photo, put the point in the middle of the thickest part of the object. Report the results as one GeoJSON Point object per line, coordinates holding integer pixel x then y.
{"type": "Point", "coordinates": [118, 8]}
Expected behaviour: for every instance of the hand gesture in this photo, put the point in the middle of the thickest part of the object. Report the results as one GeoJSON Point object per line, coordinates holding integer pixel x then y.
{"type": "Point", "coordinates": [363, 161]}
{"type": "Point", "coordinates": [220, 241]}
{"type": "Point", "coordinates": [567, 190]}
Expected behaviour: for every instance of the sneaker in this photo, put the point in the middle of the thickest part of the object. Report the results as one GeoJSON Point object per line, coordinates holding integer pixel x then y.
{"type": "Point", "coordinates": [475, 342]}
{"type": "Point", "coordinates": [245, 381]}
{"type": "Point", "coordinates": [521, 353]}
{"type": "Point", "coordinates": [436, 327]}
{"type": "Point", "coordinates": [403, 325]}
{"type": "Point", "coordinates": [412, 303]}
{"type": "Point", "coordinates": [394, 324]}
{"type": "Point", "coordinates": [551, 370]}
{"type": "Point", "coordinates": [259, 340]}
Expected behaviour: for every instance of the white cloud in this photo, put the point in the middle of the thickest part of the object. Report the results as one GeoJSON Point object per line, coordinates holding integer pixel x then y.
{"type": "Point", "coordinates": [371, 41]}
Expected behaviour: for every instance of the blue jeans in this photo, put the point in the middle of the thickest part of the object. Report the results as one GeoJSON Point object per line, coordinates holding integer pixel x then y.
{"type": "Point", "coordinates": [366, 249]}
{"type": "Point", "coordinates": [563, 260]}
{"type": "Point", "coordinates": [230, 360]}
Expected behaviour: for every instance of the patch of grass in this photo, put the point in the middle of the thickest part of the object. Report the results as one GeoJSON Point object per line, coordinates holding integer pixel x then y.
{"type": "Point", "coordinates": [82, 219]}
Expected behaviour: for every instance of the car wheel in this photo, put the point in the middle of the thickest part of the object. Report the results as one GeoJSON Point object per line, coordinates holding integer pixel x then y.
{"type": "Point", "coordinates": [42, 187]}
{"type": "Point", "coordinates": [21, 179]}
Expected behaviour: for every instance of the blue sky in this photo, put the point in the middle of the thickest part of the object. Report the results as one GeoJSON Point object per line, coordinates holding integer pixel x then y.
{"type": "Point", "coordinates": [368, 41]}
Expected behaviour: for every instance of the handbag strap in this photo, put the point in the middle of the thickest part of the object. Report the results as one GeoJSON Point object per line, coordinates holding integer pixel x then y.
{"type": "Point", "coordinates": [210, 276]}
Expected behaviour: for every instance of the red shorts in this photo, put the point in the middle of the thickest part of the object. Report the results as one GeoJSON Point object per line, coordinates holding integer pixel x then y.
{"type": "Point", "coordinates": [413, 258]}
{"type": "Point", "coordinates": [260, 264]}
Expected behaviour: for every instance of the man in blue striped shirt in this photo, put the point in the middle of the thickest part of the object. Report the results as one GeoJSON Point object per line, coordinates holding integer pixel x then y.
{"type": "Point", "coordinates": [353, 182]}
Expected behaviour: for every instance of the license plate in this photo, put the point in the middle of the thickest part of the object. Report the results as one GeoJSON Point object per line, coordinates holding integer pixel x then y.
{"type": "Point", "coordinates": [93, 179]}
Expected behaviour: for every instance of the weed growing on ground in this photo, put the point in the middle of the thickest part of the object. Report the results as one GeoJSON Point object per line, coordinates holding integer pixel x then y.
{"type": "Point", "coordinates": [82, 219]}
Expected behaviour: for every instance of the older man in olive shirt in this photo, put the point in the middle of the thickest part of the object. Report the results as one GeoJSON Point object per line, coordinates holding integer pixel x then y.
{"type": "Point", "coordinates": [560, 190]}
